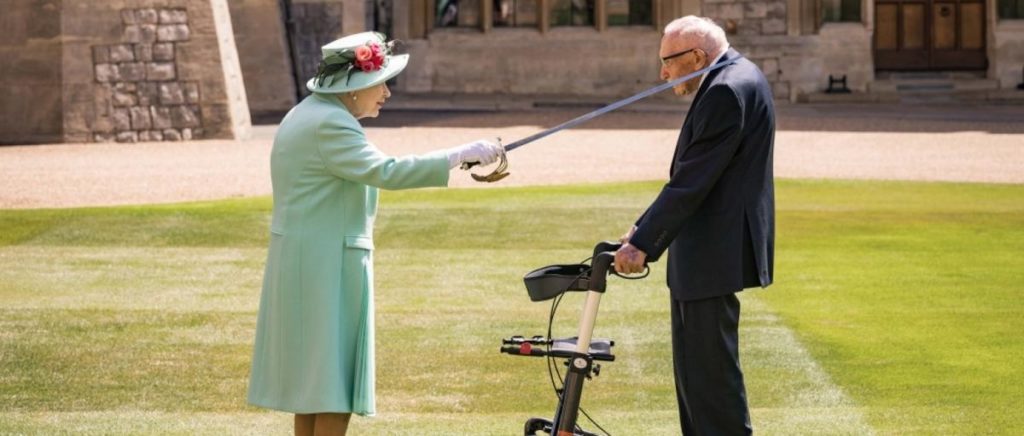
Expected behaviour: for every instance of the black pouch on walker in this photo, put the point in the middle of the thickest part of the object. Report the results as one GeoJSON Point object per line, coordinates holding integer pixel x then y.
{"type": "Point", "coordinates": [550, 281]}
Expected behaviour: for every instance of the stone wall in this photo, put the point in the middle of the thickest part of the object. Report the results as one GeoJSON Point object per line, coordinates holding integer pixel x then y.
{"type": "Point", "coordinates": [154, 70]}
{"type": "Point", "coordinates": [805, 62]}
{"type": "Point", "coordinates": [748, 17]}
{"type": "Point", "coordinates": [563, 61]}
{"type": "Point", "coordinates": [120, 70]}
{"type": "Point", "coordinates": [795, 65]}
{"type": "Point", "coordinates": [139, 74]}
{"type": "Point", "coordinates": [583, 61]}
{"type": "Point", "coordinates": [780, 59]}
{"type": "Point", "coordinates": [1006, 57]}
{"type": "Point", "coordinates": [621, 61]}
{"type": "Point", "coordinates": [570, 61]}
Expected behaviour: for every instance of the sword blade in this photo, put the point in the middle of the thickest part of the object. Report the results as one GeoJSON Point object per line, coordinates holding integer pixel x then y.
{"type": "Point", "coordinates": [613, 106]}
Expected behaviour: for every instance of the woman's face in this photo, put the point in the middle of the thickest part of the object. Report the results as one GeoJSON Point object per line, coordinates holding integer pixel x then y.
{"type": "Point", "coordinates": [367, 102]}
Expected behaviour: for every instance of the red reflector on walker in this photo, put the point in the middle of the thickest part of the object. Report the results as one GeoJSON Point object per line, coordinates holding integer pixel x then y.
{"type": "Point", "coordinates": [525, 348]}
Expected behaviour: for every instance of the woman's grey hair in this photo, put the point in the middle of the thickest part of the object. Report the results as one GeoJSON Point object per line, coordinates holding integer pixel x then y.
{"type": "Point", "coordinates": [708, 36]}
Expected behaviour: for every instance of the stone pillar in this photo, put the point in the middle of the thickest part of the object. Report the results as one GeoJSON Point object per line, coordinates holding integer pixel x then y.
{"type": "Point", "coordinates": [30, 74]}
{"type": "Point", "coordinates": [237, 107]}
{"type": "Point", "coordinates": [126, 70]}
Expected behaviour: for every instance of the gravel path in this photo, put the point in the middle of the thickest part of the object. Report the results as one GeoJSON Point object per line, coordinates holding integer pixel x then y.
{"type": "Point", "coordinates": [983, 144]}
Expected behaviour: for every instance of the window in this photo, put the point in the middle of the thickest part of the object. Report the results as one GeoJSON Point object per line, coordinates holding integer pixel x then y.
{"type": "Point", "coordinates": [515, 13]}
{"type": "Point", "coordinates": [457, 13]}
{"type": "Point", "coordinates": [840, 10]}
{"type": "Point", "coordinates": [542, 15]}
{"type": "Point", "coordinates": [630, 12]}
{"type": "Point", "coordinates": [1011, 9]}
{"type": "Point", "coordinates": [572, 12]}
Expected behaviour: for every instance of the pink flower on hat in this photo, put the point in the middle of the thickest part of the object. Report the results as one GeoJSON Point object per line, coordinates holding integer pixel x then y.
{"type": "Point", "coordinates": [363, 53]}
{"type": "Point", "coordinates": [369, 57]}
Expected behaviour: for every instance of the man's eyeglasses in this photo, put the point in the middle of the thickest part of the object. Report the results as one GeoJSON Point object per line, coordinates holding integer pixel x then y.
{"type": "Point", "coordinates": [664, 60]}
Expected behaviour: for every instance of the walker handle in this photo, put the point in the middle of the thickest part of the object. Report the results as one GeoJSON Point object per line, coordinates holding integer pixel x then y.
{"type": "Point", "coordinates": [604, 255]}
{"type": "Point", "coordinates": [605, 246]}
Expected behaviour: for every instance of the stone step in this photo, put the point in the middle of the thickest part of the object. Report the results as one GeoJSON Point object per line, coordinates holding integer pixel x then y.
{"type": "Point", "coordinates": [929, 75]}
{"type": "Point", "coordinates": [933, 85]}
{"type": "Point", "coordinates": [996, 96]}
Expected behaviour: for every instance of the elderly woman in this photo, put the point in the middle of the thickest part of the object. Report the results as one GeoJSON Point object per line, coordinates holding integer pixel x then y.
{"type": "Point", "coordinates": [314, 350]}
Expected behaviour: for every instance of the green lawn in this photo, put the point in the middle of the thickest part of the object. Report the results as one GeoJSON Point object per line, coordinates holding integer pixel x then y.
{"type": "Point", "coordinates": [897, 310]}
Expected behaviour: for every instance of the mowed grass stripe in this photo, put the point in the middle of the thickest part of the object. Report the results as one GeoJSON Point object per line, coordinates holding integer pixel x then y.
{"type": "Point", "coordinates": [808, 401]}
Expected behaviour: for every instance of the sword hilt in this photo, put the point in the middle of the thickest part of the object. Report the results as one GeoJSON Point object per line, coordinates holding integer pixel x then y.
{"type": "Point", "coordinates": [496, 175]}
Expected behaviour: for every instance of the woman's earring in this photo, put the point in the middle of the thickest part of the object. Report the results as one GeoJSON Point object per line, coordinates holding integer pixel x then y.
{"type": "Point", "coordinates": [354, 97]}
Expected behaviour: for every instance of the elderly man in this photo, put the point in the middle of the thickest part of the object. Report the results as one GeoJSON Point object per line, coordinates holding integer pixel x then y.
{"type": "Point", "coordinates": [716, 217]}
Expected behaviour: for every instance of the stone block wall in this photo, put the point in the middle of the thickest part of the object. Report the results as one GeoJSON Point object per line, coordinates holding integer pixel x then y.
{"type": "Point", "coordinates": [563, 61]}
{"type": "Point", "coordinates": [148, 102]}
{"type": "Point", "coordinates": [583, 61]}
{"type": "Point", "coordinates": [1006, 57]}
{"type": "Point", "coordinates": [152, 70]}
{"type": "Point", "coordinates": [119, 70]}
{"type": "Point", "coordinates": [778, 57]}
{"type": "Point", "coordinates": [748, 17]}
{"type": "Point", "coordinates": [844, 49]}
{"type": "Point", "coordinates": [758, 30]}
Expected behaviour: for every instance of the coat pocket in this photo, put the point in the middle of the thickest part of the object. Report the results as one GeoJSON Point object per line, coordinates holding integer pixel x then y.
{"type": "Point", "coordinates": [363, 242]}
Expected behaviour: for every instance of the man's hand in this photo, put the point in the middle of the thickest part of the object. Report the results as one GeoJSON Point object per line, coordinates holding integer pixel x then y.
{"type": "Point", "coordinates": [629, 260]}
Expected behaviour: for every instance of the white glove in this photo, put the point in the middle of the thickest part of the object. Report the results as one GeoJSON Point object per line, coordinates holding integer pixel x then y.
{"type": "Point", "coordinates": [482, 152]}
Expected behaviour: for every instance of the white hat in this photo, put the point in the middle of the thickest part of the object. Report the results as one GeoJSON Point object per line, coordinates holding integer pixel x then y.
{"type": "Point", "coordinates": [356, 62]}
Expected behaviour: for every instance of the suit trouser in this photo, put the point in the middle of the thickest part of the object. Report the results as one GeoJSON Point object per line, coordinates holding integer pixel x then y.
{"type": "Point", "coordinates": [705, 354]}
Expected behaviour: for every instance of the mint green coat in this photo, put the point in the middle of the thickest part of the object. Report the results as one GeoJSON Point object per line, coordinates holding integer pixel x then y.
{"type": "Point", "coordinates": [314, 348]}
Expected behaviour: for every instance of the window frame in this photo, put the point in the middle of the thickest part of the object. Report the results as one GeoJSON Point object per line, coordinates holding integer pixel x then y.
{"type": "Point", "coordinates": [839, 11]}
{"type": "Point", "coordinates": [543, 19]}
{"type": "Point", "coordinates": [1000, 8]}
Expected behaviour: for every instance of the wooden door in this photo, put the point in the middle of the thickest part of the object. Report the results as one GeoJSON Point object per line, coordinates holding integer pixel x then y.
{"type": "Point", "coordinates": [930, 35]}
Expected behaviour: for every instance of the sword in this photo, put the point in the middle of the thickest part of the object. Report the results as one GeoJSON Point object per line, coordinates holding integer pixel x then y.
{"type": "Point", "coordinates": [500, 173]}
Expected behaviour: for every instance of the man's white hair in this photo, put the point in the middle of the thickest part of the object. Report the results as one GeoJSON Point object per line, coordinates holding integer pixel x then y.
{"type": "Point", "coordinates": [708, 36]}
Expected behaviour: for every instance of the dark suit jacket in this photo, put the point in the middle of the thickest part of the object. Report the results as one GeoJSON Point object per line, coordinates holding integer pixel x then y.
{"type": "Point", "coordinates": [716, 215]}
